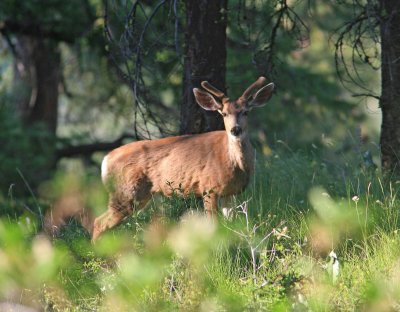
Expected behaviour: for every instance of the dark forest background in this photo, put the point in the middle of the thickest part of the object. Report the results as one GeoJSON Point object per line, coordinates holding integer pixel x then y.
{"type": "Point", "coordinates": [81, 77]}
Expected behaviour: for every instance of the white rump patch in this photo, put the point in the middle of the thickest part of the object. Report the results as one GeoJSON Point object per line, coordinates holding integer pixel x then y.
{"type": "Point", "coordinates": [104, 169]}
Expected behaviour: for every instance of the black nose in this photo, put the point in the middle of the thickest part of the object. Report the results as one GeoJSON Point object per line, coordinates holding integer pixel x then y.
{"type": "Point", "coordinates": [236, 131]}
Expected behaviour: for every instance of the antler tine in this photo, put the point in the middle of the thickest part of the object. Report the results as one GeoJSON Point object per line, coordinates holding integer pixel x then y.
{"type": "Point", "coordinates": [206, 85]}
{"type": "Point", "coordinates": [257, 84]}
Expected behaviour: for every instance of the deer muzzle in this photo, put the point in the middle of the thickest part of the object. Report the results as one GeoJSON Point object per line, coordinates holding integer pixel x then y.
{"type": "Point", "coordinates": [236, 131]}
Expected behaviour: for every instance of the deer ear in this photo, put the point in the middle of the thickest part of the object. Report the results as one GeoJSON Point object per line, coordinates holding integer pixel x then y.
{"type": "Point", "coordinates": [206, 100]}
{"type": "Point", "coordinates": [262, 96]}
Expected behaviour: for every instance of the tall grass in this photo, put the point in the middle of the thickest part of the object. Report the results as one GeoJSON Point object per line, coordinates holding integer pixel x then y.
{"type": "Point", "coordinates": [277, 250]}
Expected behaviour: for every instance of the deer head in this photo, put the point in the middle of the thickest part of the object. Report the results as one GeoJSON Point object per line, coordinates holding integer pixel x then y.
{"type": "Point", "coordinates": [234, 112]}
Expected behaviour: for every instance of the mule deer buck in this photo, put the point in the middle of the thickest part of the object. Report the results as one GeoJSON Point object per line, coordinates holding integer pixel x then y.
{"type": "Point", "coordinates": [217, 163]}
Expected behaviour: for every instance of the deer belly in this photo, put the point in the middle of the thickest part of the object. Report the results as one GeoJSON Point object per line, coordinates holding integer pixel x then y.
{"type": "Point", "coordinates": [185, 183]}
{"type": "Point", "coordinates": [181, 186]}
{"type": "Point", "coordinates": [176, 178]}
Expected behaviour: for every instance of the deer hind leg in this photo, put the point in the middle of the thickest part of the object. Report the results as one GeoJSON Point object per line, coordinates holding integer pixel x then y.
{"type": "Point", "coordinates": [117, 212]}
{"type": "Point", "coordinates": [210, 202]}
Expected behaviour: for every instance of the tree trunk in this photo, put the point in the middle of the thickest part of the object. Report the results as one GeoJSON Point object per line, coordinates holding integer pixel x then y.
{"type": "Point", "coordinates": [390, 97]}
{"type": "Point", "coordinates": [36, 80]}
{"type": "Point", "coordinates": [205, 58]}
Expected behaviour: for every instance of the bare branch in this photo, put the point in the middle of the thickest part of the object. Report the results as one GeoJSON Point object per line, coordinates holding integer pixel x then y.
{"type": "Point", "coordinates": [89, 149]}
{"type": "Point", "coordinates": [127, 55]}
{"type": "Point", "coordinates": [367, 95]}
{"type": "Point", "coordinates": [360, 36]}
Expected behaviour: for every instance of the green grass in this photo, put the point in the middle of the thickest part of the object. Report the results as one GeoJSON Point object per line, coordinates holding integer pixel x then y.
{"type": "Point", "coordinates": [272, 254]}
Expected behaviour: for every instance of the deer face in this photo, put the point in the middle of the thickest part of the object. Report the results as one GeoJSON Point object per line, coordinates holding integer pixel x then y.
{"type": "Point", "coordinates": [235, 118]}
{"type": "Point", "coordinates": [234, 112]}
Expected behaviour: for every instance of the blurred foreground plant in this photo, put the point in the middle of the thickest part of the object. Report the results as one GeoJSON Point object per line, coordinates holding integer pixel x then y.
{"type": "Point", "coordinates": [271, 254]}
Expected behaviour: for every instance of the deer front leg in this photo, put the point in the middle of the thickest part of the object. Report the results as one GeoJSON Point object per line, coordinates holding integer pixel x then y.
{"type": "Point", "coordinates": [107, 220]}
{"type": "Point", "coordinates": [211, 205]}
{"type": "Point", "coordinates": [115, 214]}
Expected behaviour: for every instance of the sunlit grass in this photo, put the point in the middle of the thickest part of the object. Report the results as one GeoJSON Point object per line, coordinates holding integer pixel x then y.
{"type": "Point", "coordinates": [271, 253]}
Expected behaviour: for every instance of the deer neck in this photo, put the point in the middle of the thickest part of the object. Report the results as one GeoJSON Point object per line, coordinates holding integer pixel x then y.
{"type": "Point", "coordinates": [241, 154]}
